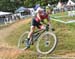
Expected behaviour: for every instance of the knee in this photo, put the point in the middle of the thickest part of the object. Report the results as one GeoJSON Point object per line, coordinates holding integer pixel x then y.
{"type": "Point", "coordinates": [32, 29]}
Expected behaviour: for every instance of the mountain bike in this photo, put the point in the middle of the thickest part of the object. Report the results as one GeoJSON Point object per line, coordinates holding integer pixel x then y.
{"type": "Point", "coordinates": [45, 40]}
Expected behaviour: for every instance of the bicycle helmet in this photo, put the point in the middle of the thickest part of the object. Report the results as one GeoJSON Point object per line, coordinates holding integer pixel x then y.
{"type": "Point", "coordinates": [39, 10]}
{"type": "Point", "coordinates": [49, 8]}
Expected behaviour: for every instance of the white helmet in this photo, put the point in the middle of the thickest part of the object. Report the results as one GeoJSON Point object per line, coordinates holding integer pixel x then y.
{"type": "Point", "coordinates": [39, 9]}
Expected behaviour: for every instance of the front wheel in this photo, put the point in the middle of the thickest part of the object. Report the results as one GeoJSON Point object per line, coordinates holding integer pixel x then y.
{"type": "Point", "coordinates": [22, 40]}
{"type": "Point", "coordinates": [46, 43]}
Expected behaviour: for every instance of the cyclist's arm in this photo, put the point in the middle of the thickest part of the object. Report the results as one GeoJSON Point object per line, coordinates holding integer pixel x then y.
{"type": "Point", "coordinates": [45, 21]}
{"type": "Point", "coordinates": [48, 20]}
{"type": "Point", "coordinates": [38, 16]}
{"type": "Point", "coordinates": [49, 23]}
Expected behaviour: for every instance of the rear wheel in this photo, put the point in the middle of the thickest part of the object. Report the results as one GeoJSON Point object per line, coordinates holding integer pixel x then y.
{"type": "Point", "coordinates": [46, 43]}
{"type": "Point", "coordinates": [22, 40]}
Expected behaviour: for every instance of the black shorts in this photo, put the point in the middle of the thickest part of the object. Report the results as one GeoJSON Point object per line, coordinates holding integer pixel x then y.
{"type": "Point", "coordinates": [35, 23]}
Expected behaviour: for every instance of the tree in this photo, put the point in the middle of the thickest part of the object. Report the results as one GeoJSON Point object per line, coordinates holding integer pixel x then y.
{"type": "Point", "coordinates": [11, 5]}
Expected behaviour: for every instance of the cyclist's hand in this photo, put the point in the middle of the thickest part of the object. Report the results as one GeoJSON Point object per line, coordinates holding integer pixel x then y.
{"type": "Point", "coordinates": [51, 27]}
{"type": "Point", "coordinates": [48, 24]}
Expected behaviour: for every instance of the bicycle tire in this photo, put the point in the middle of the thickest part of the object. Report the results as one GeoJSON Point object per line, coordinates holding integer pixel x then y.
{"type": "Point", "coordinates": [40, 39]}
{"type": "Point", "coordinates": [23, 37]}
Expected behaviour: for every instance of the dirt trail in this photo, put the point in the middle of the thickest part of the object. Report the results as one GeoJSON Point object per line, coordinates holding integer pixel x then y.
{"type": "Point", "coordinates": [6, 31]}
{"type": "Point", "coordinates": [5, 50]}
{"type": "Point", "coordinates": [9, 52]}
{"type": "Point", "coordinates": [12, 53]}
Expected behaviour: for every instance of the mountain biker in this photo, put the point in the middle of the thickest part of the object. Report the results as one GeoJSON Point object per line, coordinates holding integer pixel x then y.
{"type": "Point", "coordinates": [37, 21]}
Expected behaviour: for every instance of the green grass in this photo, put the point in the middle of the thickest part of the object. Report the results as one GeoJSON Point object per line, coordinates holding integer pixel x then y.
{"type": "Point", "coordinates": [14, 36]}
{"type": "Point", "coordinates": [60, 14]}
{"type": "Point", "coordinates": [63, 16]}
{"type": "Point", "coordinates": [29, 55]}
{"type": "Point", "coordinates": [65, 34]}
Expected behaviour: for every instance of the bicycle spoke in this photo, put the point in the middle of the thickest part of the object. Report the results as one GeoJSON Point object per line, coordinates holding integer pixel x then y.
{"type": "Point", "coordinates": [46, 43]}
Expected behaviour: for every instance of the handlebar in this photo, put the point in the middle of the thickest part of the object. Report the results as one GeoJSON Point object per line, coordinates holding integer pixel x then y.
{"type": "Point", "coordinates": [47, 28]}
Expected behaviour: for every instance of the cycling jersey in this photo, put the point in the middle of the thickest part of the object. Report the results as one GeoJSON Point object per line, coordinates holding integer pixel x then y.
{"type": "Point", "coordinates": [36, 21]}
{"type": "Point", "coordinates": [44, 16]}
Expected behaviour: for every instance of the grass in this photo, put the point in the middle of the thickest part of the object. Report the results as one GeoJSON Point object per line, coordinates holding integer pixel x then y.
{"type": "Point", "coordinates": [14, 36]}
{"type": "Point", "coordinates": [60, 14]}
{"type": "Point", "coordinates": [64, 32]}
{"type": "Point", "coordinates": [63, 16]}
{"type": "Point", "coordinates": [29, 55]}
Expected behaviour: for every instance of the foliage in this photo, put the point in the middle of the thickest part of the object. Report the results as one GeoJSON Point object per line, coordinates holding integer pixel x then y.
{"type": "Point", "coordinates": [11, 5]}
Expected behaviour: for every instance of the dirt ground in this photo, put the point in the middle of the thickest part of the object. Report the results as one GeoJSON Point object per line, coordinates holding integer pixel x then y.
{"type": "Point", "coordinates": [5, 49]}
{"type": "Point", "coordinates": [7, 30]}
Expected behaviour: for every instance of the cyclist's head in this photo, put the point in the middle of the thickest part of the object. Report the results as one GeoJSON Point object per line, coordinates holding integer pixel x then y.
{"type": "Point", "coordinates": [49, 9]}
{"type": "Point", "coordinates": [39, 10]}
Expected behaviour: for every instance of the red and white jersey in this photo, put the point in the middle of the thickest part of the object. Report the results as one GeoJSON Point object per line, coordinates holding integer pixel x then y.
{"type": "Point", "coordinates": [42, 17]}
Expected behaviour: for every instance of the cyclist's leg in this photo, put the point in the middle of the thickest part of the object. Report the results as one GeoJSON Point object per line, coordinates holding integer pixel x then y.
{"type": "Point", "coordinates": [42, 27]}
{"type": "Point", "coordinates": [33, 24]}
{"type": "Point", "coordinates": [31, 31]}
{"type": "Point", "coordinates": [30, 36]}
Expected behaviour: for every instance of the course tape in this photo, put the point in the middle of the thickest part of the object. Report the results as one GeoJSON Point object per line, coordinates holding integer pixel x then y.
{"type": "Point", "coordinates": [60, 16]}
{"type": "Point", "coordinates": [65, 22]}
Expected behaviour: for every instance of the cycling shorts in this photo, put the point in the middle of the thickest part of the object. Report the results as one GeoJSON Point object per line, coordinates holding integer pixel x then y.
{"type": "Point", "coordinates": [35, 23]}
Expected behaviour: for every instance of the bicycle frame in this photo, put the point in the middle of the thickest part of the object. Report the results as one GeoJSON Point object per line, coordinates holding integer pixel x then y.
{"type": "Point", "coordinates": [37, 34]}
